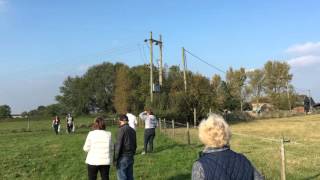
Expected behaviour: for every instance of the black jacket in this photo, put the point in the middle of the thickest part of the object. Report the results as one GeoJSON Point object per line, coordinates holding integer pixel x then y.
{"type": "Point", "coordinates": [126, 144]}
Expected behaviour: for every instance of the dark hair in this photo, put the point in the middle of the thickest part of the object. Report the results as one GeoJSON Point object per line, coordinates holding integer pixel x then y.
{"type": "Point", "coordinates": [99, 124]}
{"type": "Point", "coordinates": [123, 117]}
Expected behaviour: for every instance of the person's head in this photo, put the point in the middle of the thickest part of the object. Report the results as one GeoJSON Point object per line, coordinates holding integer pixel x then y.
{"type": "Point", "coordinates": [214, 131]}
{"type": "Point", "coordinates": [99, 124]}
{"type": "Point", "coordinates": [149, 112]}
{"type": "Point", "coordinates": [123, 119]}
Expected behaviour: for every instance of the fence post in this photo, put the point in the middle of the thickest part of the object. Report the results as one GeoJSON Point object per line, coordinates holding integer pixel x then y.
{"type": "Point", "coordinates": [283, 160]}
{"type": "Point", "coordinates": [172, 128]}
{"type": "Point", "coordinates": [194, 117]}
{"type": "Point", "coordinates": [28, 123]}
{"type": "Point", "coordinates": [188, 133]}
{"type": "Point", "coordinates": [160, 124]}
{"type": "Point", "coordinates": [114, 119]}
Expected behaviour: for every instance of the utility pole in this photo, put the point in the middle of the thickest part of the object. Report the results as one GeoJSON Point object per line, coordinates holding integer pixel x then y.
{"type": "Point", "coordinates": [184, 69]}
{"type": "Point", "coordinates": [288, 94]}
{"type": "Point", "coordinates": [160, 65]}
{"type": "Point", "coordinates": [151, 67]}
{"type": "Point", "coordinates": [151, 41]}
{"type": "Point", "coordinates": [309, 94]}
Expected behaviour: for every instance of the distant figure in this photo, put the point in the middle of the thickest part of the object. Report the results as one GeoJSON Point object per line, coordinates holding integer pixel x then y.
{"type": "Point", "coordinates": [125, 149]}
{"type": "Point", "coordinates": [306, 103]}
{"type": "Point", "coordinates": [217, 160]}
{"type": "Point", "coordinates": [132, 119]}
{"type": "Point", "coordinates": [150, 122]}
{"type": "Point", "coordinates": [70, 123]}
{"type": "Point", "coordinates": [99, 147]}
{"type": "Point", "coordinates": [56, 124]}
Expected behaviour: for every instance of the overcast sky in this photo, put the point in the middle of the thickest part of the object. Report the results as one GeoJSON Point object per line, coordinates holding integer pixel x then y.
{"type": "Point", "coordinates": [42, 42]}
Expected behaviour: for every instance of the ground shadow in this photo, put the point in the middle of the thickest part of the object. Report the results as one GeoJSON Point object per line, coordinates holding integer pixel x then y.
{"type": "Point", "coordinates": [180, 177]}
{"type": "Point", "coordinates": [170, 146]}
{"type": "Point", "coordinates": [312, 177]}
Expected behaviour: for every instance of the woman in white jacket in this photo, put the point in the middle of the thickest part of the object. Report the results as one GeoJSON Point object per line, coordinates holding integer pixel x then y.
{"type": "Point", "coordinates": [98, 145]}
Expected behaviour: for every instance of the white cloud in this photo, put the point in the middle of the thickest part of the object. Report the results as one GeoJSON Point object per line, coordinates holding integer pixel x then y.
{"type": "Point", "coordinates": [308, 48]}
{"type": "Point", "coordinates": [303, 61]}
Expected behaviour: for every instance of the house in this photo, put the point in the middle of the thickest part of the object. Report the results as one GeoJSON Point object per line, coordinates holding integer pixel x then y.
{"type": "Point", "coordinates": [261, 107]}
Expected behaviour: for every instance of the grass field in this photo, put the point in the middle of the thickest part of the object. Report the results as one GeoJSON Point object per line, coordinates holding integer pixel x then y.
{"type": "Point", "coordinates": [40, 154]}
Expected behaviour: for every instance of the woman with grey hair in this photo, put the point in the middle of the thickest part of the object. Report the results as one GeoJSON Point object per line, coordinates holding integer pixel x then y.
{"type": "Point", "coordinates": [217, 160]}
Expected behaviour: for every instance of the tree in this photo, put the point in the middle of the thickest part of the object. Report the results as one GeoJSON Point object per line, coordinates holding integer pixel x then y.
{"type": "Point", "coordinates": [256, 82]}
{"type": "Point", "coordinates": [277, 79]}
{"type": "Point", "coordinates": [122, 89]}
{"type": "Point", "coordinates": [235, 80]}
{"type": "Point", "coordinates": [5, 111]}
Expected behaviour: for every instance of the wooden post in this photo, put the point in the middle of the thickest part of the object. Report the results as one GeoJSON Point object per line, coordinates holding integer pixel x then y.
{"type": "Point", "coordinates": [28, 123]}
{"type": "Point", "coordinates": [194, 117]}
{"type": "Point", "coordinates": [160, 125]}
{"type": "Point", "coordinates": [210, 111]}
{"type": "Point", "coordinates": [283, 160]}
{"type": "Point", "coordinates": [165, 125]}
{"type": "Point", "coordinates": [113, 122]}
{"type": "Point", "coordinates": [188, 133]}
{"type": "Point", "coordinates": [172, 128]}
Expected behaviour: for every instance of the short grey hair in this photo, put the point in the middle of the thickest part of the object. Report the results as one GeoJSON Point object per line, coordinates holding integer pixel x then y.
{"type": "Point", "coordinates": [214, 131]}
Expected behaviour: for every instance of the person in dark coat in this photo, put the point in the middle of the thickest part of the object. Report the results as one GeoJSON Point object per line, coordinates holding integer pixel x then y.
{"type": "Point", "coordinates": [56, 124]}
{"type": "Point", "coordinates": [217, 160]}
{"type": "Point", "coordinates": [125, 149]}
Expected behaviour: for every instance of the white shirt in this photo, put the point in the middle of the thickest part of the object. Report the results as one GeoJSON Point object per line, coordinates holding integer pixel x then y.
{"type": "Point", "coordinates": [150, 121]}
{"type": "Point", "coordinates": [132, 120]}
{"type": "Point", "coordinates": [99, 147]}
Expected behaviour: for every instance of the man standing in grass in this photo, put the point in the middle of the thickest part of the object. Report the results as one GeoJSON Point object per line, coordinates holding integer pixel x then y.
{"type": "Point", "coordinates": [132, 119]}
{"type": "Point", "coordinates": [150, 122]}
{"type": "Point", "coordinates": [125, 148]}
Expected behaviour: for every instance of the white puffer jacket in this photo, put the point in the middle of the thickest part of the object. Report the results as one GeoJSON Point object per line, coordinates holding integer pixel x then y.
{"type": "Point", "coordinates": [99, 147]}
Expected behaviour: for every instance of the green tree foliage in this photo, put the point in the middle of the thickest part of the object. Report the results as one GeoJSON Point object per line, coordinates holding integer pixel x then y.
{"type": "Point", "coordinates": [111, 87]}
{"type": "Point", "coordinates": [277, 79]}
{"type": "Point", "coordinates": [5, 111]}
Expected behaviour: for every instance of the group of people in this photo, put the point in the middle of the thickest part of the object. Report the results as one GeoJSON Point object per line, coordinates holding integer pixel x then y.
{"type": "Point", "coordinates": [100, 151]}
{"type": "Point", "coordinates": [216, 160]}
{"type": "Point", "coordinates": [69, 122]}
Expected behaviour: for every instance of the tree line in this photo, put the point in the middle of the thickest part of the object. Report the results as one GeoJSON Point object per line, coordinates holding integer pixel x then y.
{"type": "Point", "coordinates": [114, 88]}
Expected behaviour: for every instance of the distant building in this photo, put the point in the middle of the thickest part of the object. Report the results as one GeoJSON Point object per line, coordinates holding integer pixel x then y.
{"type": "Point", "coordinates": [261, 107]}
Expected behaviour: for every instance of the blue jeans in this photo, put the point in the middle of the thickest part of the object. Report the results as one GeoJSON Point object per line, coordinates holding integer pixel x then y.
{"type": "Point", "coordinates": [125, 168]}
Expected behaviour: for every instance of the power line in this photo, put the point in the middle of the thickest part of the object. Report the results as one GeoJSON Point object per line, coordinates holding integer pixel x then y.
{"type": "Point", "coordinates": [202, 60]}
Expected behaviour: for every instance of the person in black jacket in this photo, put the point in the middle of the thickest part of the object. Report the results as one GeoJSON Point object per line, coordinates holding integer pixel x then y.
{"type": "Point", "coordinates": [125, 148]}
{"type": "Point", "coordinates": [217, 160]}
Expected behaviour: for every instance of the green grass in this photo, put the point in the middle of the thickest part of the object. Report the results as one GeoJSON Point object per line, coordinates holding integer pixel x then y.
{"type": "Point", "coordinates": [40, 154]}
{"type": "Point", "coordinates": [302, 157]}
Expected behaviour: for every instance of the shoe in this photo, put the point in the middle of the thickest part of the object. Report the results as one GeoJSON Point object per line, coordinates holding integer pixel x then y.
{"type": "Point", "coordinates": [143, 153]}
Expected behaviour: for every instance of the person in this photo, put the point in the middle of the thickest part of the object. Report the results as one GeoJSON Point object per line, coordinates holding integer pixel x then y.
{"type": "Point", "coordinates": [98, 146]}
{"type": "Point", "coordinates": [56, 124]}
{"type": "Point", "coordinates": [132, 119]}
{"type": "Point", "coordinates": [125, 148]}
{"type": "Point", "coordinates": [217, 160]}
{"type": "Point", "coordinates": [149, 132]}
{"type": "Point", "coordinates": [70, 123]}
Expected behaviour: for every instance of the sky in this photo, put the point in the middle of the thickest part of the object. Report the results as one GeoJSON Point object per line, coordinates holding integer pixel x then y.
{"type": "Point", "coordinates": [42, 42]}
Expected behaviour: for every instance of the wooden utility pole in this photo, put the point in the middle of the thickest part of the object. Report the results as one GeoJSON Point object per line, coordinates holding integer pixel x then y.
{"type": "Point", "coordinates": [160, 65]}
{"type": "Point", "coordinates": [288, 95]}
{"type": "Point", "coordinates": [184, 69]}
{"type": "Point", "coordinates": [151, 41]}
{"type": "Point", "coordinates": [151, 67]}
{"type": "Point", "coordinates": [310, 106]}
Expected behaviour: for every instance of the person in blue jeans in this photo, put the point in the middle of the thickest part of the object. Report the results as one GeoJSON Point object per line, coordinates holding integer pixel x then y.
{"type": "Point", "coordinates": [125, 149]}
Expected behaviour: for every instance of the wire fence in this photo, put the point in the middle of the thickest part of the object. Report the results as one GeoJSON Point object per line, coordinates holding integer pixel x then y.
{"type": "Point", "coordinates": [185, 134]}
